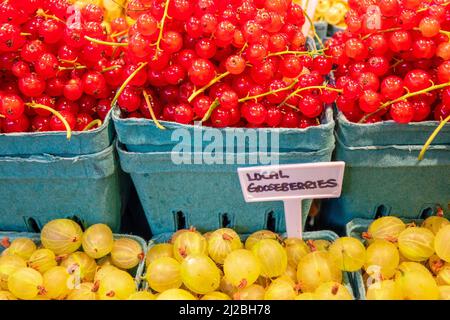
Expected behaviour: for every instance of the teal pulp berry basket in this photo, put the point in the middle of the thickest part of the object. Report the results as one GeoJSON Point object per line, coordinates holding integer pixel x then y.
{"type": "Point", "coordinates": [314, 235]}
{"type": "Point", "coordinates": [36, 189]}
{"type": "Point", "coordinates": [207, 196]}
{"type": "Point", "coordinates": [56, 143]}
{"type": "Point", "coordinates": [136, 272]}
{"type": "Point", "coordinates": [142, 135]}
{"type": "Point", "coordinates": [383, 176]}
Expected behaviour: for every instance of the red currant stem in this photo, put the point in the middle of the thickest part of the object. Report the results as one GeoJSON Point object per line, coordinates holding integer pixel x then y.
{"type": "Point", "coordinates": [161, 29]}
{"type": "Point", "coordinates": [96, 122]}
{"type": "Point", "coordinates": [2, 116]}
{"type": "Point", "coordinates": [380, 31]}
{"type": "Point", "coordinates": [24, 34]}
{"type": "Point", "coordinates": [150, 109]}
{"type": "Point", "coordinates": [404, 97]}
{"type": "Point", "coordinates": [313, 29]}
{"type": "Point", "coordinates": [431, 138]}
{"type": "Point", "coordinates": [107, 43]}
{"type": "Point", "coordinates": [111, 68]}
{"type": "Point", "coordinates": [397, 63]}
{"type": "Point", "coordinates": [292, 106]}
{"type": "Point", "coordinates": [126, 82]}
{"type": "Point", "coordinates": [74, 61]}
{"type": "Point", "coordinates": [121, 33]}
{"type": "Point", "coordinates": [213, 81]}
{"type": "Point", "coordinates": [43, 14]}
{"type": "Point", "coordinates": [268, 93]}
{"type": "Point", "coordinates": [72, 68]}
{"type": "Point", "coordinates": [295, 52]}
{"type": "Point", "coordinates": [295, 92]}
{"type": "Point", "coordinates": [426, 8]}
{"type": "Point", "coordinates": [56, 113]}
{"type": "Point", "coordinates": [208, 113]}
{"type": "Point", "coordinates": [243, 48]}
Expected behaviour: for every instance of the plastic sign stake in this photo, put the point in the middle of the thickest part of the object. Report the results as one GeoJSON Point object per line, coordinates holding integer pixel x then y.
{"type": "Point", "coordinates": [292, 183]}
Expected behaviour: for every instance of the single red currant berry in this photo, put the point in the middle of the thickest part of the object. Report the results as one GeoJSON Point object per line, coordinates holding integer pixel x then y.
{"type": "Point", "coordinates": [417, 80]}
{"type": "Point", "coordinates": [172, 41]}
{"type": "Point", "coordinates": [329, 96]}
{"type": "Point", "coordinates": [183, 113]}
{"type": "Point", "coordinates": [408, 19]}
{"type": "Point", "coordinates": [139, 79]}
{"type": "Point", "coordinates": [369, 101]}
{"type": "Point", "coordinates": [18, 125]}
{"type": "Point", "coordinates": [369, 81]}
{"type": "Point", "coordinates": [322, 65]}
{"type": "Point", "coordinates": [201, 72]}
{"type": "Point", "coordinates": [46, 66]}
{"type": "Point", "coordinates": [55, 87]}
{"type": "Point", "coordinates": [392, 87]}
{"type": "Point", "coordinates": [88, 104]}
{"type": "Point", "coordinates": [94, 83]}
{"type": "Point", "coordinates": [73, 90]}
{"type": "Point", "coordinates": [201, 105]}
{"type": "Point", "coordinates": [402, 112]}
{"type": "Point", "coordinates": [291, 119]}
{"type": "Point", "coordinates": [291, 66]}
{"type": "Point", "coordinates": [422, 110]}
{"type": "Point", "coordinates": [378, 65]}
{"type": "Point", "coordinates": [174, 74]}
{"type": "Point", "coordinates": [228, 99]}
{"type": "Point", "coordinates": [352, 89]}
{"type": "Point", "coordinates": [31, 51]}
{"type": "Point", "coordinates": [20, 69]}
{"type": "Point", "coordinates": [205, 48]}
{"type": "Point", "coordinates": [274, 116]}
{"type": "Point", "coordinates": [356, 49]}
{"type": "Point", "coordinates": [12, 106]}
{"type": "Point", "coordinates": [57, 125]}
{"type": "Point", "coordinates": [208, 22]}
{"type": "Point", "coordinates": [103, 108]}
{"type": "Point", "coordinates": [64, 104]}
{"type": "Point", "coordinates": [424, 48]}
{"type": "Point", "coordinates": [443, 50]}
{"type": "Point", "coordinates": [400, 41]}
{"type": "Point", "coordinates": [130, 99]}
{"type": "Point", "coordinates": [32, 85]}
{"type": "Point", "coordinates": [40, 124]}
{"type": "Point", "coordinates": [441, 112]}
{"type": "Point", "coordinates": [278, 94]}
{"type": "Point", "coordinates": [221, 117]}
{"type": "Point", "coordinates": [51, 31]}
{"type": "Point", "coordinates": [83, 119]}
{"type": "Point", "coordinates": [235, 64]}
{"type": "Point", "coordinates": [389, 8]}
{"type": "Point", "coordinates": [181, 9]}
{"type": "Point", "coordinates": [429, 27]}
{"type": "Point", "coordinates": [310, 106]}
{"type": "Point", "coordinates": [256, 113]}
{"type": "Point", "coordinates": [255, 53]}
{"type": "Point", "coordinates": [443, 72]}
{"type": "Point", "coordinates": [147, 24]}
{"type": "Point", "coordinates": [345, 104]}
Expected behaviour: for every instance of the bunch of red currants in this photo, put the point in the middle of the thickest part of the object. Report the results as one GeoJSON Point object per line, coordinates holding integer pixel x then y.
{"type": "Point", "coordinates": [239, 63]}
{"type": "Point", "coordinates": [393, 61]}
{"type": "Point", "coordinates": [52, 78]}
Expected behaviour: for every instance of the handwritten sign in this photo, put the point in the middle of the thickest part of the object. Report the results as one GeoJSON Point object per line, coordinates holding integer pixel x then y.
{"type": "Point", "coordinates": [291, 184]}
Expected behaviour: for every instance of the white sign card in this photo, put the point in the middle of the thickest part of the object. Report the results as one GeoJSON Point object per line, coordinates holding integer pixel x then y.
{"type": "Point", "coordinates": [292, 183]}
